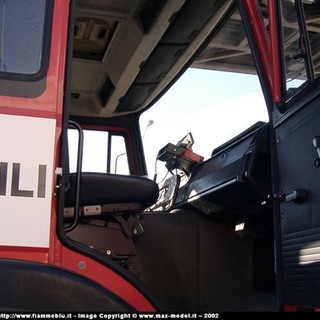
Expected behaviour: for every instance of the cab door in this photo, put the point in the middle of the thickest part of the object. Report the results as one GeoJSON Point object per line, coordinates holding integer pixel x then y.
{"type": "Point", "coordinates": [296, 120]}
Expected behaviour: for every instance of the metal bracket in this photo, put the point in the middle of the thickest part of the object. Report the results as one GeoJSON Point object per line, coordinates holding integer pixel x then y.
{"type": "Point", "coordinates": [58, 177]}
{"type": "Point", "coordinates": [297, 196]}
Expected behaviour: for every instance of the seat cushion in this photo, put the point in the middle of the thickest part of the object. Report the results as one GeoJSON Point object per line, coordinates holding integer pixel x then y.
{"type": "Point", "coordinates": [102, 188]}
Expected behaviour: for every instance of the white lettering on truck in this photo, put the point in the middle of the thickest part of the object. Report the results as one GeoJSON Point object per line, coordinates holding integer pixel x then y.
{"type": "Point", "coordinates": [15, 181]}
{"type": "Point", "coordinates": [26, 180]}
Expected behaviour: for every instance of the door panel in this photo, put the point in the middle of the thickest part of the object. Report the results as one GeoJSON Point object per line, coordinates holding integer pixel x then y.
{"type": "Point", "coordinates": [300, 217]}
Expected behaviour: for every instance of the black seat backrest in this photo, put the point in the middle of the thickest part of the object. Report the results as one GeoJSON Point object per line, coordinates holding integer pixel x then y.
{"type": "Point", "coordinates": [103, 188]}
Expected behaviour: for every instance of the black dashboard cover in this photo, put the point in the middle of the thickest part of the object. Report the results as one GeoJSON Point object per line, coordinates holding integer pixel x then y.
{"type": "Point", "coordinates": [237, 174]}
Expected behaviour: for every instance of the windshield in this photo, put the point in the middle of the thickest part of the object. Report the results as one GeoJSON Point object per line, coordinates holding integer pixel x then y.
{"type": "Point", "coordinates": [213, 104]}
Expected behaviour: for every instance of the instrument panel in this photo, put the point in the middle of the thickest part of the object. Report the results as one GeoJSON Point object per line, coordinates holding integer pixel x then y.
{"type": "Point", "coordinates": [237, 175]}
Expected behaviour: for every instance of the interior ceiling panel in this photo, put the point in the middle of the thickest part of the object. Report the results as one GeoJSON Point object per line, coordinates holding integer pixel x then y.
{"type": "Point", "coordinates": [91, 37]}
{"type": "Point", "coordinates": [185, 26]}
{"type": "Point", "coordinates": [126, 52]}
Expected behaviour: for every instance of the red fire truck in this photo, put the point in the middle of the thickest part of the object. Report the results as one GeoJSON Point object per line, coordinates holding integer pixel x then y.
{"type": "Point", "coordinates": [237, 230]}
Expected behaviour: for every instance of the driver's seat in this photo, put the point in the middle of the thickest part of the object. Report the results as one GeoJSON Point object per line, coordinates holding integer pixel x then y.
{"type": "Point", "coordinates": [121, 191]}
{"type": "Point", "coordinates": [104, 209]}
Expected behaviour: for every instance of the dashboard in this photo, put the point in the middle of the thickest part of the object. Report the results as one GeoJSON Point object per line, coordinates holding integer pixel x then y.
{"type": "Point", "coordinates": [236, 176]}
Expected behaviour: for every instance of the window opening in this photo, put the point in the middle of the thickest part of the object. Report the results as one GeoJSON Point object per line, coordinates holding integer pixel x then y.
{"type": "Point", "coordinates": [95, 152]}
{"type": "Point", "coordinates": [22, 35]}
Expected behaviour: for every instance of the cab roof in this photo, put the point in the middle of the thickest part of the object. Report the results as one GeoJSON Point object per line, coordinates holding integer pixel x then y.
{"type": "Point", "coordinates": [127, 52]}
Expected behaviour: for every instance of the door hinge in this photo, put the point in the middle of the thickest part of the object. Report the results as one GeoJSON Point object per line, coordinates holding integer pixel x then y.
{"type": "Point", "coordinates": [316, 144]}
{"type": "Point", "coordinates": [58, 177]}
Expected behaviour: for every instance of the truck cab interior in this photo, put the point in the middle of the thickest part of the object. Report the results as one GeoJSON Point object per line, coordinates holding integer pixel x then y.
{"type": "Point", "coordinates": [202, 238]}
